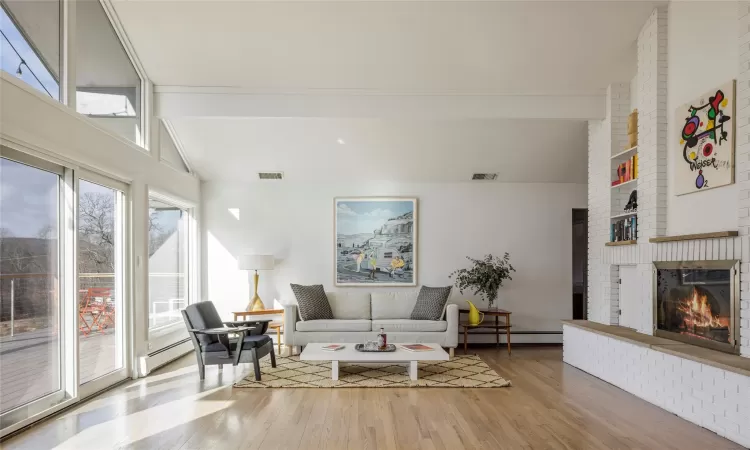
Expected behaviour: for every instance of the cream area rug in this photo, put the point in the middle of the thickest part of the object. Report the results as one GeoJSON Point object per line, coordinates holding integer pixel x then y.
{"type": "Point", "coordinates": [459, 372]}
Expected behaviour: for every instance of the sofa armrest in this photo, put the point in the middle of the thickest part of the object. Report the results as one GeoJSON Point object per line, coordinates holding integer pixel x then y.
{"type": "Point", "coordinates": [451, 316]}
{"type": "Point", "coordinates": [290, 322]}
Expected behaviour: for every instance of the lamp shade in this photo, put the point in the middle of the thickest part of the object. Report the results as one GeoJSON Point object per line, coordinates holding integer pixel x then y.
{"type": "Point", "coordinates": [255, 262]}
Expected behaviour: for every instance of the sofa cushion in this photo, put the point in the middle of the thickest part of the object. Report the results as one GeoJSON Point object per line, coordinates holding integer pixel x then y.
{"type": "Point", "coordinates": [408, 325]}
{"type": "Point", "coordinates": [393, 305]}
{"type": "Point", "coordinates": [312, 301]}
{"type": "Point", "coordinates": [334, 325]}
{"type": "Point", "coordinates": [431, 303]}
{"type": "Point", "coordinates": [349, 305]}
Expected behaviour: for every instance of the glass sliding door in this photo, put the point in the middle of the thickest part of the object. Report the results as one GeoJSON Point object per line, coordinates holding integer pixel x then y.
{"type": "Point", "coordinates": [32, 337]}
{"type": "Point", "coordinates": [101, 288]}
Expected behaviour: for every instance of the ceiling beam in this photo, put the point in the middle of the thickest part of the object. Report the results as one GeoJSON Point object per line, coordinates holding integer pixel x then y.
{"type": "Point", "coordinates": [180, 102]}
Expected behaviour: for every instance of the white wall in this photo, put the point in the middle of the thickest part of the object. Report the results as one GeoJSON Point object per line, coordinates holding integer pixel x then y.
{"type": "Point", "coordinates": [533, 222]}
{"type": "Point", "coordinates": [703, 54]}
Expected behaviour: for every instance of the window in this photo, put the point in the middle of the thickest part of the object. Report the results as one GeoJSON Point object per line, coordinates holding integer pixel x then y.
{"type": "Point", "coordinates": [31, 362]}
{"type": "Point", "coordinates": [108, 87]}
{"type": "Point", "coordinates": [167, 262]}
{"type": "Point", "coordinates": [100, 280]}
{"type": "Point", "coordinates": [30, 48]}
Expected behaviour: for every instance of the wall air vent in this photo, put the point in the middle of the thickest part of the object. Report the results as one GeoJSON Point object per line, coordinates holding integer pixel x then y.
{"type": "Point", "coordinates": [484, 176]}
{"type": "Point", "coordinates": [271, 175]}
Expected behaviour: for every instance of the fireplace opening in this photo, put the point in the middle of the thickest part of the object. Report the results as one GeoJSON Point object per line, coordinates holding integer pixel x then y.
{"type": "Point", "coordinates": [696, 302]}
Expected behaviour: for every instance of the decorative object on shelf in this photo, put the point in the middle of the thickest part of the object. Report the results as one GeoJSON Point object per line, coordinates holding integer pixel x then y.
{"type": "Point", "coordinates": [485, 277]}
{"type": "Point", "coordinates": [632, 204]}
{"type": "Point", "coordinates": [256, 263]}
{"type": "Point", "coordinates": [386, 256]}
{"type": "Point", "coordinates": [474, 314]}
{"type": "Point", "coordinates": [705, 156]}
{"type": "Point", "coordinates": [633, 128]}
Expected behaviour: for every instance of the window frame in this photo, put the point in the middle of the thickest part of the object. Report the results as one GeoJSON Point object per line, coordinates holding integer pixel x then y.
{"type": "Point", "coordinates": [32, 411]}
{"type": "Point", "coordinates": [164, 332]}
{"type": "Point", "coordinates": [144, 96]}
{"type": "Point", "coordinates": [61, 35]}
{"type": "Point", "coordinates": [96, 385]}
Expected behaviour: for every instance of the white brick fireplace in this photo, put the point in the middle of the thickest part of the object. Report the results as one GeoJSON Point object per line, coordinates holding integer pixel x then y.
{"type": "Point", "coordinates": [711, 390]}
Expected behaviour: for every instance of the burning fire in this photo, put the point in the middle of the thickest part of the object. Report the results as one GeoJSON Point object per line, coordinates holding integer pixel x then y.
{"type": "Point", "coordinates": [697, 312]}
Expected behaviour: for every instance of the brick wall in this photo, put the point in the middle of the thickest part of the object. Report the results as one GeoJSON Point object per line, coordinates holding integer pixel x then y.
{"type": "Point", "coordinates": [712, 398]}
{"type": "Point", "coordinates": [652, 126]}
{"type": "Point", "coordinates": [606, 137]}
{"type": "Point", "coordinates": [742, 160]}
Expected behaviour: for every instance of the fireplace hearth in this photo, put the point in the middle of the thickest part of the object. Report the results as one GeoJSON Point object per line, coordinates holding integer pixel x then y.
{"type": "Point", "coordinates": [697, 302]}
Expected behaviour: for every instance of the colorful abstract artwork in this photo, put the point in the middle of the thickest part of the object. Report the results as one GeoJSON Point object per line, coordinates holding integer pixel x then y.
{"type": "Point", "coordinates": [704, 158]}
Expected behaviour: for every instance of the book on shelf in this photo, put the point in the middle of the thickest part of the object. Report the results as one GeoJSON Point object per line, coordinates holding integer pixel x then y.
{"type": "Point", "coordinates": [627, 171]}
{"type": "Point", "coordinates": [624, 230]}
{"type": "Point", "coordinates": [416, 347]}
{"type": "Point", "coordinates": [333, 347]}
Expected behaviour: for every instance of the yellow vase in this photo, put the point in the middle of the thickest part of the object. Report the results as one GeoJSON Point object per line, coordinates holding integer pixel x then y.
{"type": "Point", "coordinates": [474, 314]}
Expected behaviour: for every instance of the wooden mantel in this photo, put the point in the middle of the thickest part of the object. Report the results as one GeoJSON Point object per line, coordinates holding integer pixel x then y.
{"type": "Point", "coordinates": [690, 237]}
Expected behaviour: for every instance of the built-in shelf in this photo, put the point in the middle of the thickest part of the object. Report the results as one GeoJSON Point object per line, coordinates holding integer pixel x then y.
{"type": "Point", "coordinates": [627, 214]}
{"type": "Point", "coordinates": [623, 184]}
{"type": "Point", "coordinates": [625, 152]}
{"type": "Point", "coordinates": [618, 243]}
{"type": "Point", "coordinates": [690, 237]}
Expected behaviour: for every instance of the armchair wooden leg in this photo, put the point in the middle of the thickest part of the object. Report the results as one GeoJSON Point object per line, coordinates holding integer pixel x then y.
{"type": "Point", "coordinates": [201, 367]}
{"type": "Point", "coordinates": [256, 364]}
{"type": "Point", "coordinates": [450, 352]}
{"type": "Point", "coordinates": [273, 357]}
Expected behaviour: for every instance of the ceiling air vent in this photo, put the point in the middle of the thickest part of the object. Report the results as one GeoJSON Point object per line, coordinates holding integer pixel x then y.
{"type": "Point", "coordinates": [484, 176]}
{"type": "Point", "coordinates": [271, 175]}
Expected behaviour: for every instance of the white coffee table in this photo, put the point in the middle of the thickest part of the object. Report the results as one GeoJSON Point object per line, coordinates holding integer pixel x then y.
{"type": "Point", "coordinates": [314, 352]}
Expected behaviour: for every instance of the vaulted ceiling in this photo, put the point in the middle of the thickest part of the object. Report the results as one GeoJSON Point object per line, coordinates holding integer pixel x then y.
{"type": "Point", "coordinates": [265, 85]}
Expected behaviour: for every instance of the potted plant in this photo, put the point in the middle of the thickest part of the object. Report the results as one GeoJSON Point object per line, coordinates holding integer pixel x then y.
{"type": "Point", "coordinates": [485, 277]}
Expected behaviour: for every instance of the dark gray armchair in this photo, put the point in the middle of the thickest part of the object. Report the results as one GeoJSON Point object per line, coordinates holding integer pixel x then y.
{"type": "Point", "coordinates": [214, 346]}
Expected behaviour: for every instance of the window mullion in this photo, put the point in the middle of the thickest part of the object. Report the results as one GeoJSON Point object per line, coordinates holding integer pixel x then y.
{"type": "Point", "coordinates": [68, 53]}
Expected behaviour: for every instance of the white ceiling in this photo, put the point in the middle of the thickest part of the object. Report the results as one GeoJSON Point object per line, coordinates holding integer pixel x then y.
{"type": "Point", "coordinates": [490, 59]}
{"type": "Point", "coordinates": [307, 150]}
{"type": "Point", "coordinates": [423, 46]}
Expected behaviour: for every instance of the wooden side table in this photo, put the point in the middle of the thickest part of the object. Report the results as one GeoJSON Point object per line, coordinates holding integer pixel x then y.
{"type": "Point", "coordinates": [278, 326]}
{"type": "Point", "coordinates": [497, 313]}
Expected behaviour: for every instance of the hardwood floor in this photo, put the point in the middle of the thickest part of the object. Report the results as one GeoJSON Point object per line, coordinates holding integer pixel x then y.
{"type": "Point", "coordinates": [551, 405]}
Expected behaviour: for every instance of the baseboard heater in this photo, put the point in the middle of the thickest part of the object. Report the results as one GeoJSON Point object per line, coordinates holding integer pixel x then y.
{"type": "Point", "coordinates": [164, 356]}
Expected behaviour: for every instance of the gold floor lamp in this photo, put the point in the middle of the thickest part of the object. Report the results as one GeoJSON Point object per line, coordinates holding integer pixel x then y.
{"type": "Point", "coordinates": [256, 263]}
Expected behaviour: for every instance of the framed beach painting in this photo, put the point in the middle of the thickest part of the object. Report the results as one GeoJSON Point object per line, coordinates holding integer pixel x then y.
{"type": "Point", "coordinates": [704, 156]}
{"type": "Point", "coordinates": [375, 241]}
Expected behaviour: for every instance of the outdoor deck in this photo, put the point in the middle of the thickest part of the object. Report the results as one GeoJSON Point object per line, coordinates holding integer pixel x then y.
{"type": "Point", "coordinates": [29, 363]}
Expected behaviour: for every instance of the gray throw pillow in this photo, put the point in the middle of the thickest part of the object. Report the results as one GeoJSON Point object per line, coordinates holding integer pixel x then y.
{"type": "Point", "coordinates": [430, 303]}
{"type": "Point", "coordinates": [313, 302]}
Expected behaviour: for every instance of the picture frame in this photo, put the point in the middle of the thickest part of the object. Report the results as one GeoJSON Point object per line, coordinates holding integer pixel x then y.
{"type": "Point", "coordinates": [375, 241]}
{"type": "Point", "coordinates": [703, 154]}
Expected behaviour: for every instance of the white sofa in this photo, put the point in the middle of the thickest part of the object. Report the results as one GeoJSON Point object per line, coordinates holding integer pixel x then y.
{"type": "Point", "coordinates": [359, 316]}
